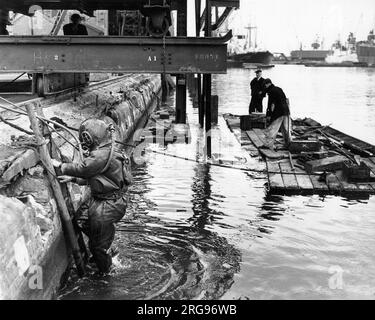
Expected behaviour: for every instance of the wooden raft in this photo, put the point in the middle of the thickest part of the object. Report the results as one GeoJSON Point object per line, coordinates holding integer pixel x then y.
{"type": "Point", "coordinates": [286, 176]}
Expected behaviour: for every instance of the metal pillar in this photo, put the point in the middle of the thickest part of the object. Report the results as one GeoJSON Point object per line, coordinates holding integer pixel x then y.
{"type": "Point", "coordinates": [181, 98]}
{"type": "Point", "coordinates": [207, 79]}
{"type": "Point", "coordinates": [164, 88]}
{"type": "Point", "coordinates": [113, 28]}
{"type": "Point", "coordinates": [181, 79]}
{"type": "Point", "coordinates": [4, 21]}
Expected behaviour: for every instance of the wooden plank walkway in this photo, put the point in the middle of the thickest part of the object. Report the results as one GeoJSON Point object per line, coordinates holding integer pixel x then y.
{"type": "Point", "coordinates": [255, 139]}
{"type": "Point", "coordinates": [274, 176]}
{"type": "Point", "coordinates": [285, 176]}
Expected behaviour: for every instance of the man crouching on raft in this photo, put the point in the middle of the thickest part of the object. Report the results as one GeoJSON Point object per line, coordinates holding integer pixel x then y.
{"type": "Point", "coordinates": [107, 172]}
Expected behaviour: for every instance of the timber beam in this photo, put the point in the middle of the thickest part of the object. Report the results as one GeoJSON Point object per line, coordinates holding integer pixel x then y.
{"type": "Point", "coordinates": [221, 19]}
{"type": "Point", "coordinates": [47, 54]}
{"type": "Point", "coordinates": [229, 7]}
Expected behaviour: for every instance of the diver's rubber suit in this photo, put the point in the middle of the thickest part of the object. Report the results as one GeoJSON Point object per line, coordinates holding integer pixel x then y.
{"type": "Point", "coordinates": [108, 203]}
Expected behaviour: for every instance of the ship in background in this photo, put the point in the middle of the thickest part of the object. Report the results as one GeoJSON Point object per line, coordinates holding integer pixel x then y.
{"type": "Point", "coordinates": [243, 51]}
{"type": "Point", "coordinates": [314, 55]}
{"type": "Point", "coordinates": [344, 54]}
{"type": "Point", "coordinates": [366, 50]}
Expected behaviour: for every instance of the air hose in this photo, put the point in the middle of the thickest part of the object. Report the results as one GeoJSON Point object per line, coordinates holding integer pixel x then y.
{"type": "Point", "coordinates": [111, 129]}
{"type": "Point", "coordinates": [43, 119]}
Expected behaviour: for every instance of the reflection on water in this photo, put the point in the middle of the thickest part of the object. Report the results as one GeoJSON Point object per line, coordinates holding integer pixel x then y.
{"type": "Point", "coordinates": [194, 231]}
{"type": "Point", "coordinates": [164, 259]}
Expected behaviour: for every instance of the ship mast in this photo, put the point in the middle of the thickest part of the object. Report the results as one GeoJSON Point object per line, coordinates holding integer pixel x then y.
{"type": "Point", "coordinates": [250, 28]}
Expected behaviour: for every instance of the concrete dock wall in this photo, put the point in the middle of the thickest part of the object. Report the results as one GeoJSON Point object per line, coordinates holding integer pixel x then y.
{"type": "Point", "coordinates": [33, 255]}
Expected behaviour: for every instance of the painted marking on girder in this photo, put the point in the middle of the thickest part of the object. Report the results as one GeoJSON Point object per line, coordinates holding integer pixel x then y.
{"type": "Point", "coordinates": [207, 57]}
{"type": "Point", "coordinates": [38, 57]}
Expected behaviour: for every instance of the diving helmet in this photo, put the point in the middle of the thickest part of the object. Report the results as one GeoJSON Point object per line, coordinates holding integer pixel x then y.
{"type": "Point", "coordinates": [94, 132]}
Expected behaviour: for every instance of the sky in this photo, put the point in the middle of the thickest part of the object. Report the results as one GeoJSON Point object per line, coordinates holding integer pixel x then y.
{"type": "Point", "coordinates": [282, 25]}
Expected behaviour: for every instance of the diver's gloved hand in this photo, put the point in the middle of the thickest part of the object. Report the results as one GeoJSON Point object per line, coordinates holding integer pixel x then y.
{"type": "Point", "coordinates": [65, 179]}
{"type": "Point", "coordinates": [56, 163]}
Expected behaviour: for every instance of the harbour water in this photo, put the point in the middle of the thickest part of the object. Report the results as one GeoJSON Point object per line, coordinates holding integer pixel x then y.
{"type": "Point", "coordinates": [197, 232]}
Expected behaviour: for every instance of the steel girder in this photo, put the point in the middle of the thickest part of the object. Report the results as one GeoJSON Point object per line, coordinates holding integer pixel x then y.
{"type": "Point", "coordinates": [46, 54]}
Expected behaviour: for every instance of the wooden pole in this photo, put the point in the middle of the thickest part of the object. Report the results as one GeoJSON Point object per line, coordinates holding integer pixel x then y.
{"type": "Point", "coordinates": [207, 88]}
{"type": "Point", "coordinates": [55, 185]}
{"type": "Point", "coordinates": [200, 99]}
{"type": "Point", "coordinates": [181, 78]}
{"type": "Point", "coordinates": [164, 88]}
{"type": "Point", "coordinates": [64, 188]}
{"type": "Point", "coordinates": [207, 78]}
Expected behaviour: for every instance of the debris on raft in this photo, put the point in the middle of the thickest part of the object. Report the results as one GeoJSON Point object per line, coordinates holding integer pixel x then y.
{"type": "Point", "coordinates": [320, 159]}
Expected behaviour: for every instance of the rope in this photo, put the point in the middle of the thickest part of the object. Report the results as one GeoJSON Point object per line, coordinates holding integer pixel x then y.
{"type": "Point", "coordinates": [44, 119]}
{"type": "Point", "coordinates": [15, 126]}
{"type": "Point", "coordinates": [231, 167]}
{"type": "Point", "coordinates": [219, 165]}
{"type": "Point", "coordinates": [110, 156]}
{"type": "Point", "coordinates": [126, 145]}
{"type": "Point", "coordinates": [60, 135]}
{"type": "Point", "coordinates": [208, 163]}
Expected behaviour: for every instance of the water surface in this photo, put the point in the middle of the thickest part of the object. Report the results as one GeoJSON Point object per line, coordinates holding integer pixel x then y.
{"type": "Point", "coordinates": [199, 232]}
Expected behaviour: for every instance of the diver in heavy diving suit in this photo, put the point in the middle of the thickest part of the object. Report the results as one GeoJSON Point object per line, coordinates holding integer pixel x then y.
{"type": "Point", "coordinates": [107, 171]}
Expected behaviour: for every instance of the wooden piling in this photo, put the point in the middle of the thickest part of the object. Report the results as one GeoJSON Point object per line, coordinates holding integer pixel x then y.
{"type": "Point", "coordinates": [214, 109]}
{"type": "Point", "coordinates": [200, 101]}
{"type": "Point", "coordinates": [181, 99]}
{"type": "Point", "coordinates": [164, 88]}
{"type": "Point", "coordinates": [55, 185]}
{"type": "Point", "coordinates": [181, 78]}
{"type": "Point", "coordinates": [207, 79]}
{"type": "Point", "coordinates": [207, 93]}
{"type": "Point", "coordinates": [200, 97]}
